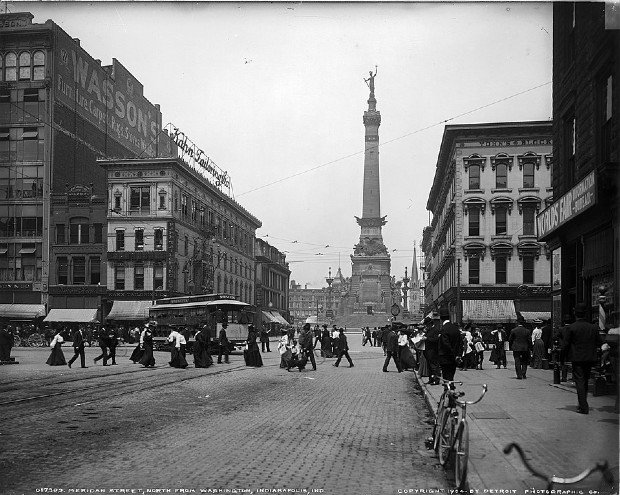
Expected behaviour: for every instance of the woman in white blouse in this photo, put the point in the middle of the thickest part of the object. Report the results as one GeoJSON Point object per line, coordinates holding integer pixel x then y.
{"type": "Point", "coordinates": [57, 358]}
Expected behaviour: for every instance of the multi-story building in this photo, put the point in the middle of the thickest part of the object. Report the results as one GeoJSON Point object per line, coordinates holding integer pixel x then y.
{"type": "Point", "coordinates": [272, 283]}
{"type": "Point", "coordinates": [306, 302]}
{"type": "Point", "coordinates": [171, 232]}
{"type": "Point", "coordinates": [60, 109]}
{"type": "Point", "coordinates": [483, 258]}
{"type": "Point", "coordinates": [581, 227]}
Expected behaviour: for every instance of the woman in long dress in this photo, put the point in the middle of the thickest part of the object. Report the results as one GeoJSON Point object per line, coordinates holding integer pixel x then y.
{"type": "Point", "coordinates": [285, 349]}
{"type": "Point", "coordinates": [177, 360]}
{"type": "Point", "coordinates": [57, 358]}
{"type": "Point", "coordinates": [139, 350]}
{"type": "Point", "coordinates": [146, 344]}
{"type": "Point", "coordinates": [252, 353]}
{"type": "Point", "coordinates": [326, 343]}
{"type": "Point", "coordinates": [202, 357]}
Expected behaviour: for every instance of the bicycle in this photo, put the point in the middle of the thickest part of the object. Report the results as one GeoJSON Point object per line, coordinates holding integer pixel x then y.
{"type": "Point", "coordinates": [433, 441]}
{"type": "Point", "coordinates": [36, 340]}
{"type": "Point", "coordinates": [603, 467]}
{"type": "Point", "coordinates": [454, 434]}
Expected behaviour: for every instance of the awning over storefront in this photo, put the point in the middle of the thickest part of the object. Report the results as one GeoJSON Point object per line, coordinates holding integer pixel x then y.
{"type": "Point", "coordinates": [489, 311]}
{"type": "Point", "coordinates": [536, 315]}
{"type": "Point", "coordinates": [129, 310]}
{"type": "Point", "coordinates": [279, 318]}
{"type": "Point", "coordinates": [72, 315]}
{"type": "Point", "coordinates": [22, 311]}
{"type": "Point", "coordinates": [268, 317]}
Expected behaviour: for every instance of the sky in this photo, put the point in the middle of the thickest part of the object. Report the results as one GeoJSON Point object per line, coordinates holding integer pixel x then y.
{"type": "Point", "coordinates": [274, 93]}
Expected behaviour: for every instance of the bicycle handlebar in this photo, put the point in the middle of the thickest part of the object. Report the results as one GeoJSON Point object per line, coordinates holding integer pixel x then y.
{"type": "Point", "coordinates": [448, 382]}
{"type": "Point", "coordinates": [469, 403]}
{"type": "Point", "coordinates": [603, 467]}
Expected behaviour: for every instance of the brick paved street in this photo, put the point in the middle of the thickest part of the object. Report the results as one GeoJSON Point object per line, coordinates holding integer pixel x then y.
{"type": "Point", "coordinates": [341, 430]}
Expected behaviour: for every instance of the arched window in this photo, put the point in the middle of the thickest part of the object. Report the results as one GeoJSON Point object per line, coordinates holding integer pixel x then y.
{"type": "Point", "coordinates": [225, 284]}
{"type": "Point", "coordinates": [38, 66]}
{"type": "Point", "coordinates": [501, 176]}
{"type": "Point", "coordinates": [10, 67]}
{"type": "Point", "coordinates": [25, 70]}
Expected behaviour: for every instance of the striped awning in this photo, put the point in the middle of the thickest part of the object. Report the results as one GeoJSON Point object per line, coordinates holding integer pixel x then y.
{"type": "Point", "coordinates": [536, 315]}
{"type": "Point", "coordinates": [129, 310]}
{"type": "Point", "coordinates": [22, 311]}
{"type": "Point", "coordinates": [268, 317]}
{"type": "Point", "coordinates": [72, 315]}
{"type": "Point", "coordinates": [279, 318]}
{"type": "Point", "coordinates": [489, 311]}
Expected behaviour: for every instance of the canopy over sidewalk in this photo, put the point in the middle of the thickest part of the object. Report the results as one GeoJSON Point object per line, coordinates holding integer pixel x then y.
{"type": "Point", "coordinates": [129, 310]}
{"type": "Point", "coordinates": [72, 316]}
{"type": "Point", "coordinates": [22, 311]}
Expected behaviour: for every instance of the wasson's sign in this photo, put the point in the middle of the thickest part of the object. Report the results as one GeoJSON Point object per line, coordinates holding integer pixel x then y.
{"type": "Point", "coordinates": [578, 199]}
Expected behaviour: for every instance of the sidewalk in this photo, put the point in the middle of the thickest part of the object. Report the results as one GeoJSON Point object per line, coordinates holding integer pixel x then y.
{"type": "Point", "coordinates": [542, 418]}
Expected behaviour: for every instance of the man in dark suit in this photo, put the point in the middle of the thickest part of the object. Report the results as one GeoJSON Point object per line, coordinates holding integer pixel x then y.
{"type": "Point", "coordinates": [223, 345]}
{"type": "Point", "coordinates": [343, 348]}
{"type": "Point", "coordinates": [103, 345]}
{"type": "Point", "coordinates": [521, 344]}
{"type": "Point", "coordinates": [580, 344]}
{"type": "Point", "coordinates": [450, 345]}
{"type": "Point", "coordinates": [78, 348]}
{"type": "Point", "coordinates": [112, 344]}
{"type": "Point", "coordinates": [499, 341]}
{"type": "Point", "coordinates": [392, 351]}
{"type": "Point", "coordinates": [431, 347]}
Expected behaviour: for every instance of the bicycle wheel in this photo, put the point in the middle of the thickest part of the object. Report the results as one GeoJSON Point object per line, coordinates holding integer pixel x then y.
{"type": "Point", "coordinates": [446, 436]}
{"type": "Point", "coordinates": [17, 341]}
{"type": "Point", "coordinates": [437, 428]}
{"type": "Point", "coordinates": [35, 340]}
{"type": "Point", "coordinates": [461, 455]}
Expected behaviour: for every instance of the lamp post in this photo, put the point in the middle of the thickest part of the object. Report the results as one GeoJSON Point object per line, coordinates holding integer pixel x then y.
{"type": "Point", "coordinates": [329, 313]}
{"type": "Point", "coordinates": [405, 289]}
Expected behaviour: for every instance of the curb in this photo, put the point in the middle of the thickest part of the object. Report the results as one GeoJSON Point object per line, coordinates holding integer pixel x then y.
{"type": "Point", "coordinates": [473, 480]}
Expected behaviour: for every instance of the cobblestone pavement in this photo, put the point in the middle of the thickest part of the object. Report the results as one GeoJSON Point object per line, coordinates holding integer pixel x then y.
{"type": "Point", "coordinates": [335, 430]}
{"type": "Point", "coordinates": [542, 418]}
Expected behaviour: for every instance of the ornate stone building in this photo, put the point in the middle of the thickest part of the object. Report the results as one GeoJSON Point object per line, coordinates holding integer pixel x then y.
{"type": "Point", "coordinates": [483, 257]}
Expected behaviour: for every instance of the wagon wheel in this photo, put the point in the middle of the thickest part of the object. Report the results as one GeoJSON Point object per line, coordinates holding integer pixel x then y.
{"type": "Point", "coordinates": [36, 340]}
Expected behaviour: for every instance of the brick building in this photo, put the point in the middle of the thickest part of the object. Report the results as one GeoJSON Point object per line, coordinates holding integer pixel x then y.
{"type": "Point", "coordinates": [60, 110]}
{"type": "Point", "coordinates": [272, 283]}
{"type": "Point", "coordinates": [581, 227]}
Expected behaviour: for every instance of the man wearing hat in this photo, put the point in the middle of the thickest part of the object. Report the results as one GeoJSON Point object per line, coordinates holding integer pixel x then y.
{"type": "Point", "coordinates": [580, 345]}
{"type": "Point", "coordinates": [431, 347]}
{"type": "Point", "coordinates": [521, 344]}
{"type": "Point", "coordinates": [305, 343]}
{"type": "Point", "coordinates": [450, 345]}
{"type": "Point", "coordinates": [343, 349]}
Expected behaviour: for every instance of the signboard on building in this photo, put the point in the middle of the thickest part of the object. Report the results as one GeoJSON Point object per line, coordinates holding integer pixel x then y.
{"type": "Point", "coordinates": [108, 97]}
{"type": "Point", "coordinates": [556, 269]}
{"type": "Point", "coordinates": [576, 201]}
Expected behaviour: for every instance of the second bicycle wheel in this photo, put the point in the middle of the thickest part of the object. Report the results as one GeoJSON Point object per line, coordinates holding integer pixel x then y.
{"type": "Point", "coordinates": [461, 456]}
{"type": "Point", "coordinates": [36, 340]}
{"type": "Point", "coordinates": [446, 435]}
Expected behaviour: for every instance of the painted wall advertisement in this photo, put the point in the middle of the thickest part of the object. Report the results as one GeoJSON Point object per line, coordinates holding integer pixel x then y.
{"type": "Point", "coordinates": [110, 98]}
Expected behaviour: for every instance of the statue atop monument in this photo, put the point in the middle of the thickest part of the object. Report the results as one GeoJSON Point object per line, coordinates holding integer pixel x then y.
{"type": "Point", "coordinates": [370, 82]}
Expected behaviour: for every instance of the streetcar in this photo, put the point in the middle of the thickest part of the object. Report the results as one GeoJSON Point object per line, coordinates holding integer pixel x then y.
{"type": "Point", "coordinates": [217, 311]}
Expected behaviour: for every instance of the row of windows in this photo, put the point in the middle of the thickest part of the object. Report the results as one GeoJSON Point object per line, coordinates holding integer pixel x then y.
{"type": "Point", "coordinates": [19, 144]}
{"type": "Point", "coordinates": [25, 66]}
{"type": "Point", "coordinates": [501, 270]}
{"type": "Point", "coordinates": [20, 262]}
{"type": "Point", "coordinates": [21, 182]}
{"type": "Point", "coordinates": [191, 211]}
{"type": "Point", "coordinates": [501, 176]}
{"type": "Point", "coordinates": [21, 220]}
{"type": "Point", "coordinates": [139, 239]}
{"type": "Point", "coordinates": [120, 276]}
{"type": "Point", "coordinates": [501, 221]}
{"type": "Point", "coordinates": [22, 105]}
{"type": "Point", "coordinates": [78, 270]}
{"type": "Point", "coordinates": [79, 231]}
